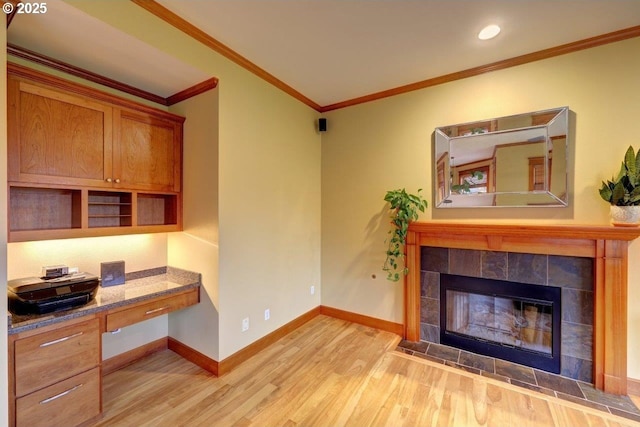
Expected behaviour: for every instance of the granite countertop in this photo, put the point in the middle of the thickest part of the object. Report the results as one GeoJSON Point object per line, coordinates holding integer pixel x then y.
{"type": "Point", "coordinates": [138, 286]}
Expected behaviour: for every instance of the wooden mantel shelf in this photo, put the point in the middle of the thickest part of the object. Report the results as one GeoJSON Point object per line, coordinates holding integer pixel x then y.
{"type": "Point", "coordinates": [607, 245]}
{"type": "Point", "coordinates": [557, 231]}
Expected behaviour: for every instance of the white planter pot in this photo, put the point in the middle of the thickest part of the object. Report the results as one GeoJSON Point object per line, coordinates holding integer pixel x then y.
{"type": "Point", "coordinates": [625, 216]}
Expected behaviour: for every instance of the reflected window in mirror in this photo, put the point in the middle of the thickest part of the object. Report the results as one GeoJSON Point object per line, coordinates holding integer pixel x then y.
{"type": "Point", "coordinates": [537, 173]}
{"type": "Point", "coordinates": [477, 179]}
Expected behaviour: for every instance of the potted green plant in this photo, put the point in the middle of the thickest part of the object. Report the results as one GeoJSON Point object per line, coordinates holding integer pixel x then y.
{"type": "Point", "coordinates": [404, 209]}
{"type": "Point", "coordinates": [623, 191]}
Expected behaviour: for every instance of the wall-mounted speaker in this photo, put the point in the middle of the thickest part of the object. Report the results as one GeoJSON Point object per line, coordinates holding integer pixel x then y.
{"type": "Point", "coordinates": [322, 125]}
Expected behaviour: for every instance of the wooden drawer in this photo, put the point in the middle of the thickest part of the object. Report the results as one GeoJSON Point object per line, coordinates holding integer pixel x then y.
{"type": "Point", "coordinates": [67, 403]}
{"type": "Point", "coordinates": [151, 309]}
{"type": "Point", "coordinates": [49, 357]}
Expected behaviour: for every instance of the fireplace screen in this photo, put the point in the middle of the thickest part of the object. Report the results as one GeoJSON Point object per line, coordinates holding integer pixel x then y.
{"type": "Point", "coordinates": [507, 321]}
{"type": "Point", "coordinates": [513, 321]}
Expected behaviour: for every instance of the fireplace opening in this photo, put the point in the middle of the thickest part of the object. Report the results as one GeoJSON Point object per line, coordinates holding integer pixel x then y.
{"type": "Point", "coordinates": [513, 321]}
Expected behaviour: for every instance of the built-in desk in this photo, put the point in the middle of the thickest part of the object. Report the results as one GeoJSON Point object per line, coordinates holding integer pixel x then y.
{"type": "Point", "coordinates": [55, 360]}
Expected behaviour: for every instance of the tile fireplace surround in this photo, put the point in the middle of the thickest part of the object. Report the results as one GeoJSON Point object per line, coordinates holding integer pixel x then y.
{"type": "Point", "coordinates": [572, 275]}
{"type": "Point", "coordinates": [607, 246]}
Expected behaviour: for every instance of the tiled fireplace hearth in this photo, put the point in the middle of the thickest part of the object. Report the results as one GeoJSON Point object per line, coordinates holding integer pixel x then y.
{"type": "Point", "coordinates": [587, 263]}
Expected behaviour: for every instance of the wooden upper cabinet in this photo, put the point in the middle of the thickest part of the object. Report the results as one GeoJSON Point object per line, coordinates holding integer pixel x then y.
{"type": "Point", "coordinates": [57, 138]}
{"type": "Point", "coordinates": [82, 162]}
{"type": "Point", "coordinates": [66, 134]}
{"type": "Point", "coordinates": [148, 152]}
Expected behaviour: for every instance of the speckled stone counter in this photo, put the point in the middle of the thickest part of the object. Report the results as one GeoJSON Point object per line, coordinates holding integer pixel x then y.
{"type": "Point", "coordinates": [138, 286]}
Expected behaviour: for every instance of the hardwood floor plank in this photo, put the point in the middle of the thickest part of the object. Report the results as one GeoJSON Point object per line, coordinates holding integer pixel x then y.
{"type": "Point", "coordinates": [329, 372]}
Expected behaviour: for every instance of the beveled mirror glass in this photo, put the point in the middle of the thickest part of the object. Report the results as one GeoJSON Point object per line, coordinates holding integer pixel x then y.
{"type": "Point", "coordinates": [518, 160]}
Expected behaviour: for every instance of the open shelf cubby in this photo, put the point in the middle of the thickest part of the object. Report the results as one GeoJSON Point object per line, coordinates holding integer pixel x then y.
{"type": "Point", "coordinates": [109, 209]}
{"type": "Point", "coordinates": [36, 208]}
{"type": "Point", "coordinates": [42, 212]}
{"type": "Point", "coordinates": [157, 209]}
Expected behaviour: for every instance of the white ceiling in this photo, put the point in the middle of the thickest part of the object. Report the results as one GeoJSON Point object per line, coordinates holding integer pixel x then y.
{"type": "Point", "coordinates": [70, 35]}
{"type": "Point", "coordinates": [328, 50]}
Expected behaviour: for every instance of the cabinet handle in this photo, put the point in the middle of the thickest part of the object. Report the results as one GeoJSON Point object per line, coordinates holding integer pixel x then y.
{"type": "Point", "coordinates": [117, 180]}
{"type": "Point", "coordinates": [64, 393]}
{"type": "Point", "coordinates": [155, 310]}
{"type": "Point", "coordinates": [59, 340]}
{"type": "Point", "coordinates": [108, 180]}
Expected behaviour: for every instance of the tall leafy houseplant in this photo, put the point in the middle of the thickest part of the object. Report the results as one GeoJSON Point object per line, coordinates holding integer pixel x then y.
{"type": "Point", "coordinates": [404, 209]}
{"type": "Point", "coordinates": [624, 190]}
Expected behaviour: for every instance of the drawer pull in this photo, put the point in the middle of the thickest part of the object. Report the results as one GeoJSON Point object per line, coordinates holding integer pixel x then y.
{"type": "Point", "coordinates": [57, 396]}
{"type": "Point", "coordinates": [59, 340]}
{"type": "Point", "coordinates": [155, 310]}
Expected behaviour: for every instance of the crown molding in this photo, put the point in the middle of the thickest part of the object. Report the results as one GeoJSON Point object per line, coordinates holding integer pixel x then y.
{"type": "Point", "coordinates": [181, 24]}
{"type": "Point", "coordinates": [66, 68]}
{"type": "Point", "coordinates": [494, 66]}
{"type": "Point", "coordinates": [192, 91]}
{"type": "Point", "coordinates": [36, 76]}
{"type": "Point", "coordinates": [13, 12]}
{"type": "Point", "coordinates": [194, 32]}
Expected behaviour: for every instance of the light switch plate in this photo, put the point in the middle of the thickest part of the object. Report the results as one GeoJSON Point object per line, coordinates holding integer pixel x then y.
{"type": "Point", "coordinates": [112, 273]}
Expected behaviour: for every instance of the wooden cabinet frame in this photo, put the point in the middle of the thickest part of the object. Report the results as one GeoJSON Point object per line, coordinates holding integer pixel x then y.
{"type": "Point", "coordinates": [135, 150]}
{"type": "Point", "coordinates": [125, 315]}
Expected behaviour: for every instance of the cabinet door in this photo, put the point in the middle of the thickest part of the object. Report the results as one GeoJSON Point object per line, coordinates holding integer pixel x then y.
{"type": "Point", "coordinates": [147, 152]}
{"type": "Point", "coordinates": [58, 138]}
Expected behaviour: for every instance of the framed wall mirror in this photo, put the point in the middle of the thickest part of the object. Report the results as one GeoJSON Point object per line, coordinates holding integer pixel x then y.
{"type": "Point", "coordinates": [511, 161]}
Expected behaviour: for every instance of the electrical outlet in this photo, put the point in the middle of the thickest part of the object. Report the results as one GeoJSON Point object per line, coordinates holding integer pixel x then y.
{"type": "Point", "coordinates": [267, 314]}
{"type": "Point", "coordinates": [245, 324]}
{"type": "Point", "coordinates": [313, 290]}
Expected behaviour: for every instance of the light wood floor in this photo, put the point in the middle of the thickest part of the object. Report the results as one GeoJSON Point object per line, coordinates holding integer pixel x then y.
{"type": "Point", "coordinates": [329, 373]}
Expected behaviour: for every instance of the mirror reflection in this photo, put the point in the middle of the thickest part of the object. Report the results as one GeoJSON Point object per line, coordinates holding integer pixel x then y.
{"type": "Point", "coordinates": [518, 160]}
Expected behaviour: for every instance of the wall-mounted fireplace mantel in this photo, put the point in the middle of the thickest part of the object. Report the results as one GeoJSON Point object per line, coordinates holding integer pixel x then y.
{"type": "Point", "coordinates": [607, 245]}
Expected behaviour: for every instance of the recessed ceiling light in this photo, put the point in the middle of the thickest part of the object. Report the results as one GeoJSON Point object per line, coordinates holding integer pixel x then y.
{"type": "Point", "coordinates": [489, 32]}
